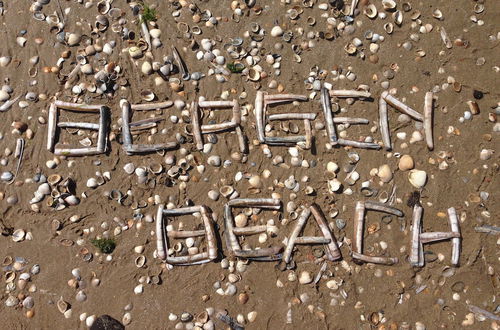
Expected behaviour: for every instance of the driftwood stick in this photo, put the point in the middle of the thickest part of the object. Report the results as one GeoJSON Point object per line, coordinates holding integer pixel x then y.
{"type": "Point", "coordinates": [487, 229]}
{"type": "Point", "coordinates": [259, 115]}
{"type": "Point", "coordinates": [295, 233]}
{"type": "Point", "coordinates": [359, 221]}
{"type": "Point", "coordinates": [180, 62]}
{"type": "Point", "coordinates": [195, 122]}
{"type": "Point", "coordinates": [485, 313]}
{"type": "Point", "coordinates": [278, 98]}
{"type": "Point", "coordinates": [375, 260]}
{"type": "Point", "coordinates": [151, 106]}
{"type": "Point", "coordinates": [145, 148]}
{"type": "Point", "coordinates": [285, 140]}
{"type": "Point", "coordinates": [381, 207]}
{"type": "Point", "coordinates": [356, 144]}
{"type": "Point", "coordinates": [145, 121]}
{"type": "Point", "coordinates": [213, 128]}
{"type": "Point", "coordinates": [384, 123]}
{"type": "Point", "coordinates": [292, 116]}
{"type": "Point", "coordinates": [195, 259]}
{"type": "Point", "coordinates": [350, 93]}
{"type": "Point", "coordinates": [428, 112]}
{"type": "Point", "coordinates": [160, 233]}
{"type": "Point", "coordinates": [327, 112]}
{"type": "Point", "coordinates": [67, 124]}
{"type": "Point", "coordinates": [259, 253]}
{"type": "Point", "coordinates": [401, 106]}
{"type": "Point", "coordinates": [7, 104]}
{"type": "Point", "coordinates": [455, 227]}
{"type": "Point", "coordinates": [52, 126]}
{"type": "Point", "coordinates": [241, 140]}
{"type": "Point", "coordinates": [77, 106]}
{"type": "Point", "coordinates": [416, 252]}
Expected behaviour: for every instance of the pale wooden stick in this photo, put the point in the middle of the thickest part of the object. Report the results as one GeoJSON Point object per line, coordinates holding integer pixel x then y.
{"type": "Point", "coordinates": [77, 106]}
{"type": "Point", "coordinates": [279, 98]}
{"type": "Point", "coordinates": [455, 227]}
{"type": "Point", "coordinates": [145, 121]}
{"type": "Point", "coordinates": [327, 112]}
{"type": "Point", "coordinates": [185, 233]}
{"type": "Point", "coordinates": [216, 104]}
{"type": "Point", "coordinates": [145, 148]}
{"type": "Point", "coordinates": [384, 123]}
{"type": "Point", "coordinates": [268, 203]}
{"type": "Point", "coordinates": [182, 65]}
{"type": "Point", "coordinates": [137, 129]}
{"type": "Point", "coordinates": [295, 233]}
{"type": "Point", "coordinates": [356, 144]}
{"type": "Point", "coordinates": [428, 112]}
{"type": "Point", "coordinates": [52, 126]}
{"type": "Point", "coordinates": [67, 124]}
{"type": "Point", "coordinates": [381, 207]}
{"type": "Point", "coordinates": [160, 233]}
{"type": "Point", "coordinates": [77, 152]}
{"type": "Point", "coordinates": [292, 116]}
{"type": "Point", "coordinates": [350, 120]}
{"type": "Point", "coordinates": [259, 115]}
{"type": "Point", "coordinates": [312, 240]}
{"type": "Point", "coordinates": [195, 122]}
{"type": "Point", "coordinates": [151, 106]}
{"type": "Point", "coordinates": [401, 106]}
{"type": "Point", "coordinates": [437, 236]}
{"type": "Point", "coordinates": [333, 251]}
{"type": "Point", "coordinates": [359, 221]}
{"type": "Point", "coordinates": [416, 252]}
{"type": "Point", "coordinates": [350, 93]}
{"type": "Point", "coordinates": [375, 260]}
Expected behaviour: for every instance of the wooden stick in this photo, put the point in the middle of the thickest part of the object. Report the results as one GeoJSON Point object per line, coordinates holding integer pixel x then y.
{"type": "Point", "coordinates": [292, 116]}
{"type": "Point", "coordinates": [287, 255]}
{"type": "Point", "coordinates": [312, 240]}
{"type": "Point", "coordinates": [275, 98]}
{"type": "Point", "coordinates": [7, 104]}
{"type": "Point", "coordinates": [356, 144]}
{"type": "Point", "coordinates": [333, 251]}
{"type": "Point", "coordinates": [350, 93]}
{"type": "Point", "coordinates": [241, 140]}
{"type": "Point", "coordinates": [350, 120]}
{"type": "Point", "coordinates": [375, 260]}
{"type": "Point", "coordinates": [401, 106]}
{"type": "Point", "coordinates": [145, 121]}
{"type": "Point", "coordinates": [194, 259]}
{"type": "Point", "coordinates": [151, 106]}
{"type": "Point", "coordinates": [428, 112]}
{"type": "Point", "coordinates": [213, 128]}
{"type": "Point", "coordinates": [195, 122]}
{"type": "Point", "coordinates": [77, 106]}
{"type": "Point", "coordinates": [231, 240]}
{"type": "Point", "coordinates": [67, 124]}
{"type": "Point", "coordinates": [309, 134]}
{"type": "Point", "coordinates": [416, 252]}
{"type": "Point", "coordinates": [185, 233]}
{"type": "Point", "coordinates": [52, 126]}
{"type": "Point", "coordinates": [216, 104]}
{"type": "Point", "coordinates": [262, 203]}
{"type": "Point", "coordinates": [102, 136]}
{"type": "Point", "coordinates": [488, 229]}
{"type": "Point", "coordinates": [327, 112]}
{"type": "Point", "coordinates": [259, 253]}
{"type": "Point", "coordinates": [359, 221]}
{"type": "Point", "coordinates": [160, 233]}
{"type": "Point", "coordinates": [259, 115]}
{"type": "Point", "coordinates": [246, 231]}
{"type": "Point", "coordinates": [384, 123]}
{"type": "Point", "coordinates": [437, 236]}
{"type": "Point", "coordinates": [455, 227]}
{"type": "Point", "coordinates": [285, 140]}
{"type": "Point", "coordinates": [77, 152]}
{"type": "Point", "coordinates": [182, 211]}
{"type": "Point", "coordinates": [209, 233]}
{"type": "Point", "coordinates": [126, 136]}
{"type": "Point", "coordinates": [376, 206]}
{"type": "Point", "coordinates": [145, 148]}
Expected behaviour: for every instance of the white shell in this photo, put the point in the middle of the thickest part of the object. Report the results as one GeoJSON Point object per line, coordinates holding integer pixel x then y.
{"type": "Point", "coordinates": [74, 39]}
{"type": "Point", "coordinates": [252, 316]}
{"type": "Point", "coordinates": [155, 33]}
{"type": "Point", "coordinates": [18, 235]}
{"type": "Point", "coordinates": [92, 183]}
{"type": "Point", "coordinates": [21, 41]}
{"type": "Point", "coordinates": [276, 31]}
{"type": "Point", "coordinates": [385, 173]}
{"type": "Point", "coordinates": [5, 60]}
{"type": "Point", "coordinates": [81, 296]}
{"type": "Point", "coordinates": [417, 178]}
{"type": "Point", "coordinates": [240, 220]}
{"type": "Point", "coordinates": [129, 168]}
{"type": "Point", "coordinates": [146, 68]}
{"type": "Point", "coordinates": [90, 320]}
{"type": "Point", "coordinates": [305, 278]}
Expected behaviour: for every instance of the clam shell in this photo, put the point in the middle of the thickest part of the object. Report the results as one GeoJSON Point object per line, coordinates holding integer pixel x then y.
{"type": "Point", "coordinates": [28, 302]}
{"type": "Point", "coordinates": [370, 11]}
{"type": "Point", "coordinates": [11, 301]}
{"type": "Point", "coordinates": [148, 95]}
{"type": "Point", "coordinates": [81, 296]}
{"type": "Point", "coordinates": [62, 306]}
{"type": "Point", "coordinates": [18, 235]}
{"type": "Point", "coordinates": [140, 261]}
{"type": "Point", "coordinates": [417, 178]}
{"type": "Point", "coordinates": [389, 4]}
{"type": "Point", "coordinates": [226, 191]}
{"type": "Point", "coordinates": [103, 7]}
{"type": "Point", "coordinates": [54, 179]}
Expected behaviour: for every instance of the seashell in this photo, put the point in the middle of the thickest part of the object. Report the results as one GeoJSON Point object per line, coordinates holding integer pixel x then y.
{"type": "Point", "coordinates": [103, 7]}
{"type": "Point", "coordinates": [18, 235]}
{"type": "Point", "coordinates": [28, 302]}
{"type": "Point", "coordinates": [5, 60]}
{"type": "Point", "coordinates": [140, 261]}
{"type": "Point", "coordinates": [62, 306]}
{"type": "Point", "coordinates": [240, 220]}
{"type": "Point", "coordinates": [135, 52]}
{"type": "Point", "coordinates": [127, 318]}
{"type": "Point", "coordinates": [10, 277]}
{"type": "Point", "coordinates": [72, 200]}
{"type": "Point", "coordinates": [350, 48]}
{"type": "Point", "coordinates": [389, 28]}
{"type": "Point", "coordinates": [334, 185]}
{"type": "Point", "coordinates": [54, 179]}
{"type": "Point", "coordinates": [276, 31]}
{"type": "Point", "coordinates": [252, 316]}
{"type": "Point", "coordinates": [11, 301]}
{"type": "Point", "coordinates": [35, 269]}
{"type": "Point", "coordinates": [92, 183]}
{"type": "Point", "coordinates": [486, 154]}
{"type": "Point", "coordinates": [406, 163]}
{"type": "Point", "coordinates": [437, 14]}
{"type": "Point", "coordinates": [129, 168]}
{"type": "Point", "coordinates": [202, 317]}
{"type": "Point", "coordinates": [417, 178]}
{"type": "Point", "coordinates": [141, 171]}
{"type": "Point", "coordinates": [81, 296]}
{"type": "Point", "coordinates": [115, 13]}
{"type": "Point", "coordinates": [385, 173]}
{"type": "Point", "coordinates": [253, 74]}
{"type": "Point", "coordinates": [74, 39]}
{"type": "Point", "coordinates": [398, 17]}
{"type": "Point", "coordinates": [148, 95]}
{"type": "Point", "coordinates": [389, 5]}
{"type": "Point", "coordinates": [90, 320]}
{"type": "Point", "coordinates": [155, 33]}
{"type": "Point", "coordinates": [370, 11]}
{"type": "Point", "coordinates": [21, 41]}
{"type": "Point", "coordinates": [406, 6]}
{"type": "Point", "coordinates": [6, 176]}
{"type": "Point", "coordinates": [76, 273]}
{"type": "Point", "coordinates": [226, 191]}
{"type": "Point", "coordinates": [101, 23]}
